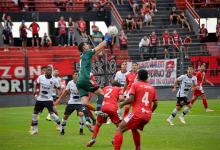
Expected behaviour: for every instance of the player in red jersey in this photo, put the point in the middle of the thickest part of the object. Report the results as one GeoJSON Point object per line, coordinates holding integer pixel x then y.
{"type": "Point", "coordinates": [130, 78]}
{"type": "Point", "coordinates": [142, 95]}
{"type": "Point", "coordinates": [201, 79]}
{"type": "Point", "coordinates": [113, 94]}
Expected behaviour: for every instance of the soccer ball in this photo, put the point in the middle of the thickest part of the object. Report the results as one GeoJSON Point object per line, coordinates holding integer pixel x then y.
{"type": "Point", "coordinates": [112, 30]}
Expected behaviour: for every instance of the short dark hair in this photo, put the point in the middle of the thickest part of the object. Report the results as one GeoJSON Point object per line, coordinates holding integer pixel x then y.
{"type": "Point", "coordinates": [116, 83]}
{"type": "Point", "coordinates": [190, 66]}
{"type": "Point", "coordinates": [43, 67]}
{"type": "Point", "coordinates": [142, 75]}
{"type": "Point", "coordinates": [80, 47]}
{"type": "Point", "coordinates": [134, 63]}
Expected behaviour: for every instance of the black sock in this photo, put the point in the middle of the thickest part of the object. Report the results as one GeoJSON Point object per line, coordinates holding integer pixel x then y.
{"type": "Point", "coordinates": [86, 114]}
{"type": "Point", "coordinates": [99, 102]}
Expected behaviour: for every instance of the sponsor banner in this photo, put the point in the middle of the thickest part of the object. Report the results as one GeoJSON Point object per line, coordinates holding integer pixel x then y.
{"type": "Point", "coordinates": [161, 72]}
{"type": "Point", "coordinates": [12, 78]}
{"type": "Point", "coordinates": [212, 67]}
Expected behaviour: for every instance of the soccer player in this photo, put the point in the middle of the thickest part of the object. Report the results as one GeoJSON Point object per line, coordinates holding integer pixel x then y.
{"type": "Point", "coordinates": [45, 99]}
{"type": "Point", "coordinates": [110, 106]}
{"type": "Point", "coordinates": [142, 95]}
{"type": "Point", "coordinates": [74, 103]}
{"type": "Point", "coordinates": [55, 93]}
{"type": "Point", "coordinates": [186, 82]}
{"type": "Point", "coordinates": [83, 83]}
{"type": "Point", "coordinates": [130, 79]}
{"type": "Point", "coordinates": [200, 75]}
{"type": "Point", "coordinates": [120, 75]}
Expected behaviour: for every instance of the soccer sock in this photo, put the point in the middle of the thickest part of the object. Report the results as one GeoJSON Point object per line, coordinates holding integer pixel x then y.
{"type": "Point", "coordinates": [126, 111]}
{"type": "Point", "coordinates": [205, 104]}
{"type": "Point", "coordinates": [55, 118]}
{"type": "Point", "coordinates": [34, 122]}
{"type": "Point", "coordinates": [81, 122]}
{"type": "Point", "coordinates": [92, 116]}
{"type": "Point", "coordinates": [136, 138]}
{"type": "Point", "coordinates": [173, 115]}
{"type": "Point", "coordinates": [192, 101]}
{"type": "Point", "coordinates": [118, 139]}
{"type": "Point", "coordinates": [96, 131]}
{"type": "Point", "coordinates": [86, 114]}
{"type": "Point", "coordinates": [63, 123]}
{"type": "Point", "coordinates": [99, 102]}
{"type": "Point", "coordinates": [186, 110]}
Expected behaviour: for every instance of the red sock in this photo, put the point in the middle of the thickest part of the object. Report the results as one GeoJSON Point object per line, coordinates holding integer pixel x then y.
{"type": "Point", "coordinates": [118, 139]}
{"type": "Point", "coordinates": [126, 111]}
{"type": "Point", "coordinates": [192, 101]}
{"type": "Point", "coordinates": [136, 138]}
{"type": "Point", "coordinates": [205, 104]}
{"type": "Point", "coordinates": [96, 131]}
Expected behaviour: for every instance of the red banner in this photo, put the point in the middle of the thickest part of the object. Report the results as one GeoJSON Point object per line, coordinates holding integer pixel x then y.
{"type": "Point", "coordinates": [12, 77]}
{"type": "Point", "coordinates": [212, 67]}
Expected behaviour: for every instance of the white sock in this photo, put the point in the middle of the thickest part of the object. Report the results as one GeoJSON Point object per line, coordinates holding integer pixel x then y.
{"type": "Point", "coordinates": [55, 118]}
{"type": "Point", "coordinates": [174, 112]}
{"type": "Point", "coordinates": [186, 111]}
{"type": "Point", "coordinates": [81, 122]}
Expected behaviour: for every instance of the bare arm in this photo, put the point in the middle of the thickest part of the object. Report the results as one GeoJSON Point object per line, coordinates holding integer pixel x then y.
{"type": "Point", "coordinates": [155, 104]}
{"type": "Point", "coordinates": [61, 96]}
{"type": "Point", "coordinates": [209, 82]}
{"type": "Point", "coordinates": [175, 85]}
{"type": "Point", "coordinates": [125, 86]}
{"type": "Point", "coordinates": [128, 101]}
{"type": "Point", "coordinates": [35, 88]}
{"type": "Point", "coordinates": [3, 17]}
{"type": "Point", "coordinates": [121, 98]}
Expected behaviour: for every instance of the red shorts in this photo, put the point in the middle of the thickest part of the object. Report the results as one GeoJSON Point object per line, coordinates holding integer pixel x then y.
{"type": "Point", "coordinates": [197, 93]}
{"type": "Point", "coordinates": [135, 122]}
{"type": "Point", "coordinates": [113, 115]}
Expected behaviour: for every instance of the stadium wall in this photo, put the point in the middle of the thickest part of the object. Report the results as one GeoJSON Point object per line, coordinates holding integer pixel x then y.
{"type": "Point", "coordinates": [163, 93]}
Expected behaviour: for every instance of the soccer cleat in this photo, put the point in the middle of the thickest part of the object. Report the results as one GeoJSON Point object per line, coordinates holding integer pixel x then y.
{"type": "Point", "coordinates": [90, 143]}
{"type": "Point", "coordinates": [33, 131]}
{"type": "Point", "coordinates": [109, 121]}
{"type": "Point", "coordinates": [170, 121]}
{"type": "Point", "coordinates": [58, 128]}
{"type": "Point", "coordinates": [48, 118]}
{"type": "Point", "coordinates": [182, 119]}
{"type": "Point", "coordinates": [209, 110]}
{"type": "Point", "coordinates": [98, 113]}
{"type": "Point", "coordinates": [88, 125]}
{"type": "Point", "coordinates": [62, 132]}
{"type": "Point", "coordinates": [81, 132]}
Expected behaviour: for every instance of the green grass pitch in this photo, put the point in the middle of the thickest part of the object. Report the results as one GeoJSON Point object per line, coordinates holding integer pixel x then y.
{"type": "Point", "coordinates": [201, 132]}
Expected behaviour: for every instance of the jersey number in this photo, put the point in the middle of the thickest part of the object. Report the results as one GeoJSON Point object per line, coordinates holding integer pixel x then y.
{"type": "Point", "coordinates": [145, 101]}
{"type": "Point", "coordinates": [108, 92]}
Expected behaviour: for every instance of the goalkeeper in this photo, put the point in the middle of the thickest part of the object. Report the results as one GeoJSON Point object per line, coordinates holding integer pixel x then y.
{"type": "Point", "coordinates": [84, 84]}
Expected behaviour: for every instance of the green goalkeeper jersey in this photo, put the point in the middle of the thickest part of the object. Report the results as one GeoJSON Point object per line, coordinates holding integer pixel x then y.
{"type": "Point", "coordinates": [85, 65]}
